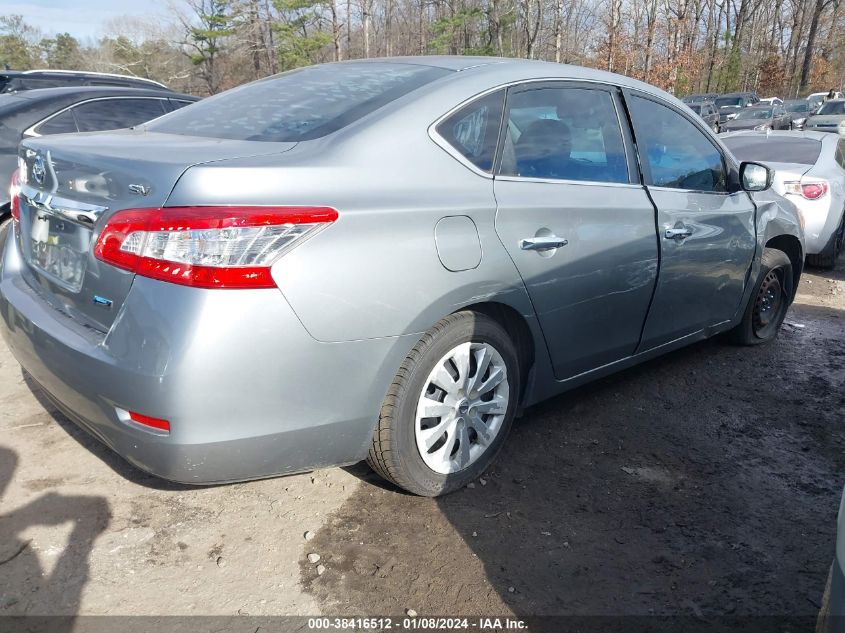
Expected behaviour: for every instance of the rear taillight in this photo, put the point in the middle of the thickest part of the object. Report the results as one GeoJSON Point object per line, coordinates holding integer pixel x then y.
{"type": "Point", "coordinates": [15, 196]}
{"type": "Point", "coordinates": [808, 190]}
{"type": "Point", "coordinates": [207, 247]}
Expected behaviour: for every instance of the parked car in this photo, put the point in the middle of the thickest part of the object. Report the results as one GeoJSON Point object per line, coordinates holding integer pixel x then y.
{"type": "Point", "coordinates": [817, 98]}
{"type": "Point", "coordinates": [19, 80]}
{"type": "Point", "coordinates": [699, 98]}
{"type": "Point", "coordinates": [759, 118]}
{"type": "Point", "coordinates": [798, 110]}
{"type": "Point", "coordinates": [320, 267]}
{"type": "Point", "coordinates": [61, 110]}
{"type": "Point", "coordinates": [830, 117]}
{"type": "Point", "coordinates": [809, 171]}
{"type": "Point", "coordinates": [707, 111]}
{"type": "Point", "coordinates": [832, 614]}
{"type": "Point", "coordinates": [731, 104]}
{"type": "Point", "coordinates": [771, 101]}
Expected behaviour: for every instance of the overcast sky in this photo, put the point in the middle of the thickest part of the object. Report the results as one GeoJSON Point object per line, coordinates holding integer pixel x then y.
{"type": "Point", "coordinates": [80, 18]}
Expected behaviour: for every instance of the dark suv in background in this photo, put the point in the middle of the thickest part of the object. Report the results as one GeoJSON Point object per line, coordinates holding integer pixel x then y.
{"type": "Point", "coordinates": [67, 110]}
{"type": "Point", "coordinates": [730, 104]}
{"type": "Point", "coordinates": [18, 80]}
{"type": "Point", "coordinates": [708, 113]}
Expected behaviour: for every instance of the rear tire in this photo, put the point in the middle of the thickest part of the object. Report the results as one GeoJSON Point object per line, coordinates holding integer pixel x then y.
{"type": "Point", "coordinates": [827, 258]}
{"type": "Point", "coordinates": [769, 301]}
{"type": "Point", "coordinates": [432, 440]}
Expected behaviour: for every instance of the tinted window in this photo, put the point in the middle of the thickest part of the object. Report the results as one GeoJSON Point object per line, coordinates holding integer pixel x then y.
{"type": "Point", "coordinates": [564, 134]}
{"type": "Point", "coordinates": [678, 154]}
{"type": "Point", "coordinates": [832, 107]}
{"type": "Point", "coordinates": [730, 101]}
{"type": "Point", "coordinates": [113, 114]}
{"type": "Point", "coordinates": [697, 109]}
{"type": "Point", "coordinates": [803, 151]}
{"type": "Point", "coordinates": [302, 104]}
{"type": "Point", "coordinates": [840, 153]}
{"type": "Point", "coordinates": [474, 129]}
{"type": "Point", "coordinates": [179, 103]}
{"type": "Point", "coordinates": [799, 106]}
{"type": "Point", "coordinates": [59, 124]}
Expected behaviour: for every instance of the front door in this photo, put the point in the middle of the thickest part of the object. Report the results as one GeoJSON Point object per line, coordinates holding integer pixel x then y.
{"type": "Point", "coordinates": [575, 221]}
{"type": "Point", "coordinates": [707, 233]}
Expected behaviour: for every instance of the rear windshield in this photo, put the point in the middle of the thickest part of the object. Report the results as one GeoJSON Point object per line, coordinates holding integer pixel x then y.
{"type": "Point", "coordinates": [299, 105]}
{"type": "Point", "coordinates": [832, 107]}
{"type": "Point", "coordinates": [803, 151]}
{"type": "Point", "coordinates": [735, 102]}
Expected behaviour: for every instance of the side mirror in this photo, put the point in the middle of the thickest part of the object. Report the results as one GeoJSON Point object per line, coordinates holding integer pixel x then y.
{"type": "Point", "coordinates": [755, 177]}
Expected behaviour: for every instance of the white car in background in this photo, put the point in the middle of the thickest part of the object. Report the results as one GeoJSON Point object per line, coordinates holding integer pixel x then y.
{"type": "Point", "coordinates": [809, 172]}
{"type": "Point", "coordinates": [771, 101]}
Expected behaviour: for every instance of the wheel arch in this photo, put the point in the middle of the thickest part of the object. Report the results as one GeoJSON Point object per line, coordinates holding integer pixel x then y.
{"type": "Point", "coordinates": [516, 325]}
{"type": "Point", "coordinates": [790, 245]}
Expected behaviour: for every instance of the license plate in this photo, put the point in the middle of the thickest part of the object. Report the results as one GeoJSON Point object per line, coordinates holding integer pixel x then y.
{"type": "Point", "coordinates": [57, 248]}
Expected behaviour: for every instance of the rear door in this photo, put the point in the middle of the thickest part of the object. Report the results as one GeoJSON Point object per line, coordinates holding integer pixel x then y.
{"type": "Point", "coordinates": [707, 233]}
{"type": "Point", "coordinates": [575, 220]}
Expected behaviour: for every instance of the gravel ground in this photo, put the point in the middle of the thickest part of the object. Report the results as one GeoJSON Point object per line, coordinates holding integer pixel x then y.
{"type": "Point", "coordinates": [705, 482]}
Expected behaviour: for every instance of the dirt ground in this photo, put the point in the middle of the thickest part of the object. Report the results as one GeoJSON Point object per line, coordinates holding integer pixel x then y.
{"type": "Point", "coordinates": [705, 482]}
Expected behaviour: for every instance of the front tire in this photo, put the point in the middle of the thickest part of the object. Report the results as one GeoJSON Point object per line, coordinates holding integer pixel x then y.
{"type": "Point", "coordinates": [769, 300]}
{"type": "Point", "coordinates": [450, 407]}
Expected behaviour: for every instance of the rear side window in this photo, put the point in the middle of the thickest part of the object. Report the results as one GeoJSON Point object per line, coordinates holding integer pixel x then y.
{"type": "Point", "coordinates": [677, 153]}
{"type": "Point", "coordinates": [840, 153]}
{"type": "Point", "coordinates": [474, 129]}
{"type": "Point", "coordinates": [113, 114]}
{"type": "Point", "coordinates": [301, 104]}
{"type": "Point", "coordinates": [563, 134]}
{"type": "Point", "coordinates": [803, 151]}
{"type": "Point", "coordinates": [60, 124]}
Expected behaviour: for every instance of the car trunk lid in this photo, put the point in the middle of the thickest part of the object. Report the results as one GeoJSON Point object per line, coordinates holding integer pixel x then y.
{"type": "Point", "coordinates": [73, 184]}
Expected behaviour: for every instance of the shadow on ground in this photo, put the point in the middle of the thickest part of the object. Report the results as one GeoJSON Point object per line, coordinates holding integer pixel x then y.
{"type": "Point", "coordinates": [702, 483]}
{"type": "Point", "coordinates": [26, 588]}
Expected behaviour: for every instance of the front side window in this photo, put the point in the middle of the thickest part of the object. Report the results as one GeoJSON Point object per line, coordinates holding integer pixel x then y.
{"type": "Point", "coordinates": [832, 107]}
{"type": "Point", "coordinates": [114, 114]}
{"type": "Point", "coordinates": [677, 153]}
{"type": "Point", "coordinates": [564, 134]}
{"type": "Point", "coordinates": [474, 129]}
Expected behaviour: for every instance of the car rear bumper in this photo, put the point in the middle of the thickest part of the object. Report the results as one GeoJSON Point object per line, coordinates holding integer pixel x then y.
{"type": "Point", "coordinates": [247, 391]}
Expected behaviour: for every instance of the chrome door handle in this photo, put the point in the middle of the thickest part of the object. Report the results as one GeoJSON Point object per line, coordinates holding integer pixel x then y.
{"type": "Point", "coordinates": [677, 234]}
{"type": "Point", "coordinates": [542, 243]}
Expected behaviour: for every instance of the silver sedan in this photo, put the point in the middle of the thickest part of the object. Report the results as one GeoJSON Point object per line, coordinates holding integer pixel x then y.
{"type": "Point", "coordinates": [381, 259]}
{"type": "Point", "coordinates": [810, 171]}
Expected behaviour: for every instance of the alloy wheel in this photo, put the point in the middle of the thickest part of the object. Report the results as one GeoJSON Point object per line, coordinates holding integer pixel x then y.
{"type": "Point", "coordinates": [462, 407]}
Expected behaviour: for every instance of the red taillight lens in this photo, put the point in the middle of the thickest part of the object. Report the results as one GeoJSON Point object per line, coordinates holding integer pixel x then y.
{"type": "Point", "coordinates": [813, 191]}
{"type": "Point", "coordinates": [15, 196]}
{"type": "Point", "coordinates": [207, 247]}
{"type": "Point", "coordinates": [808, 190]}
{"type": "Point", "coordinates": [154, 423]}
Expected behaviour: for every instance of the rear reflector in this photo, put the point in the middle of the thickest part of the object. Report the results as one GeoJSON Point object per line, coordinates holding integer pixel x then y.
{"type": "Point", "coordinates": [207, 247]}
{"type": "Point", "coordinates": [14, 196]}
{"type": "Point", "coordinates": [145, 420]}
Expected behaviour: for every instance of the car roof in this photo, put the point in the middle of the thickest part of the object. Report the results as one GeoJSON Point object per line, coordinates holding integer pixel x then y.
{"type": "Point", "coordinates": [808, 134]}
{"type": "Point", "coordinates": [88, 92]}
{"type": "Point", "coordinates": [84, 74]}
{"type": "Point", "coordinates": [505, 70]}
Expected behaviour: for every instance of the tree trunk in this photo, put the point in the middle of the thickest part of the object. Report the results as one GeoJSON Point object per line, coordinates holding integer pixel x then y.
{"type": "Point", "coordinates": [806, 66]}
